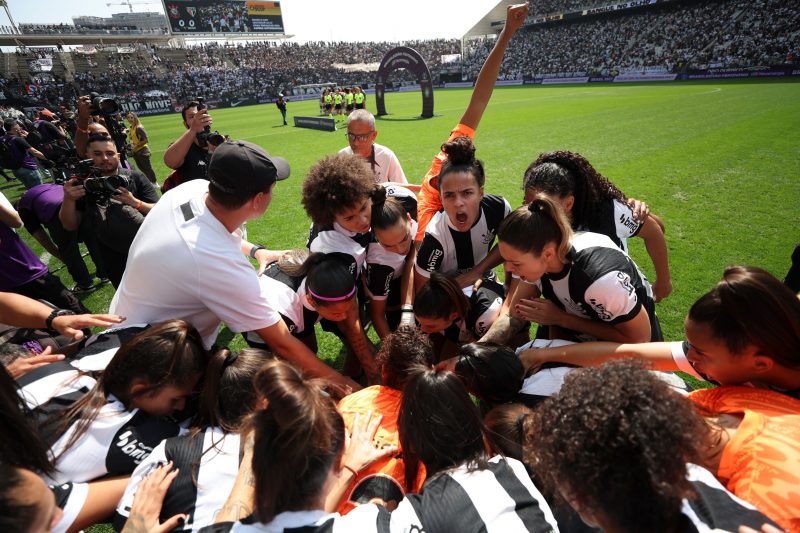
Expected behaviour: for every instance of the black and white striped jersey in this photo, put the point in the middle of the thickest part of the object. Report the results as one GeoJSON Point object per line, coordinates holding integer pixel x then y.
{"type": "Point", "coordinates": [714, 508]}
{"type": "Point", "coordinates": [58, 384]}
{"type": "Point", "coordinates": [600, 282]}
{"type": "Point", "coordinates": [452, 252]}
{"type": "Point", "coordinates": [384, 266]}
{"type": "Point", "coordinates": [287, 295]}
{"type": "Point", "coordinates": [100, 348]}
{"type": "Point", "coordinates": [335, 238]}
{"type": "Point", "coordinates": [208, 463]}
{"type": "Point", "coordinates": [116, 441]}
{"type": "Point", "coordinates": [501, 498]}
{"type": "Point", "coordinates": [613, 219]}
{"type": "Point", "coordinates": [484, 308]}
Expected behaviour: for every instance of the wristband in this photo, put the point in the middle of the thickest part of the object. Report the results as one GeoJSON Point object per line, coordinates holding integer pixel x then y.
{"type": "Point", "coordinates": [56, 313]}
{"type": "Point", "coordinates": [256, 248]}
{"type": "Point", "coordinates": [345, 467]}
{"type": "Point", "coordinates": [407, 308]}
{"type": "Point", "coordinates": [139, 205]}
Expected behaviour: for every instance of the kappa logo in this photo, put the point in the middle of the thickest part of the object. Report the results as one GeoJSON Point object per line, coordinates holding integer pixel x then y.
{"type": "Point", "coordinates": [132, 447]}
{"type": "Point", "coordinates": [433, 259]}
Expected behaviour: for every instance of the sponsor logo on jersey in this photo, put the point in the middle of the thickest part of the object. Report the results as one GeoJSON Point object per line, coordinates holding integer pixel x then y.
{"type": "Point", "coordinates": [625, 281]}
{"type": "Point", "coordinates": [433, 258]}
{"type": "Point", "coordinates": [628, 222]}
{"type": "Point", "coordinates": [132, 447]}
{"type": "Point", "coordinates": [600, 309]}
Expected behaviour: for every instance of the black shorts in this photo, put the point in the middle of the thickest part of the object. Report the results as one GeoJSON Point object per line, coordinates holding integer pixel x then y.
{"type": "Point", "coordinates": [360, 106]}
{"type": "Point", "coordinates": [338, 106]}
{"type": "Point", "coordinates": [328, 106]}
{"type": "Point", "coordinates": [350, 107]}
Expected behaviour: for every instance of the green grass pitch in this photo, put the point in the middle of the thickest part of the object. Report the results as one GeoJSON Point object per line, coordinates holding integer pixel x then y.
{"type": "Point", "coordinates": [717, 161]}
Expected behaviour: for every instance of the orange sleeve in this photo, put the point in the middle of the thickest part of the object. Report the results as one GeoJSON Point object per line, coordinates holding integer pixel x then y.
{"type": "Point", "coordinates": [737, 399]}
{"type": "Point", "coordinates": [428, 201]}
{"type": "Point", "coordinates": [759, 465]}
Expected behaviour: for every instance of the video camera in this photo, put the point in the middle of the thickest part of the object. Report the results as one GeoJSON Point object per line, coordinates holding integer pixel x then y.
{"type": "Point", "coordinates": [94, 182]}
{"type": "Point", "coordinates": [207, 136]}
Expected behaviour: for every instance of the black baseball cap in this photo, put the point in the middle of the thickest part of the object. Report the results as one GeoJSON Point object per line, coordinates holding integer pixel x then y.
{"type": "Point", "coordinates": [245, 169]}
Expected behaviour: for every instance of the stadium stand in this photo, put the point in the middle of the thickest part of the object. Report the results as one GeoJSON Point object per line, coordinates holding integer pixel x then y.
{"type": "Point", "coordinates": [669, 37]}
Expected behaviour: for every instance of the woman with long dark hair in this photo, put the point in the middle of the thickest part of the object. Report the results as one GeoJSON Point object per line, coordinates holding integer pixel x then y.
{"type": "Point", "coordinates": [115, 425]}
{"type": "Point", "coordinates": [593, 203]}
{"type": "Point", "coordinates": [592, 290]}
{"type": "Point", "coordinates": [207, 457]}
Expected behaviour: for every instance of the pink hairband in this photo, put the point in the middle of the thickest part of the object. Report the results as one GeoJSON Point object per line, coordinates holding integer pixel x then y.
{"type": "Point", "coordinates": [334, 299]}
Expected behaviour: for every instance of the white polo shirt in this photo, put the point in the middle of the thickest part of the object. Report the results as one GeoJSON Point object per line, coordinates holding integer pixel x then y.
{"type": "Point", "coordinates": [184, 264]}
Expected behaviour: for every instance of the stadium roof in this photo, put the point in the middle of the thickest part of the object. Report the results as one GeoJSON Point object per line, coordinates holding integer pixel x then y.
{"type": "Point", "coordinates": [26, 39]}
{"type": "Point", "coordinates": [492, 22]}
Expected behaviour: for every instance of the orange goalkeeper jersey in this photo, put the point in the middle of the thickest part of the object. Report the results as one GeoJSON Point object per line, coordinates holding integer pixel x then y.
{"type": "Point", "coordinates": [761, 462]}
{"type": "Point", "coordinates": [385, 478]}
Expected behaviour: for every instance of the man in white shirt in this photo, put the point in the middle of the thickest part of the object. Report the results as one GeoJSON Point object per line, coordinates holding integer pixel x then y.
{"type": "Point", "coordinates": [361, 134]}
{"type": "Point", "coordinates": [189, 260]}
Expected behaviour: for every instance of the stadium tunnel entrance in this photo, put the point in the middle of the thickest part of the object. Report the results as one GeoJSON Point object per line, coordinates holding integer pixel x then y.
{"type": "Point", "coordinates": [407, 58]}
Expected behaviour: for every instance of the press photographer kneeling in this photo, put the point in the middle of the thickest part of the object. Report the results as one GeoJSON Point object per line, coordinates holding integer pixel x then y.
{"type": "Point", "coordinates": [111, 200]}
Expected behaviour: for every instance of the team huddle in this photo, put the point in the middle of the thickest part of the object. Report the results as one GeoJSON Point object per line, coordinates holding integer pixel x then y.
{"type": "Point", "coordinates": [460, 421]}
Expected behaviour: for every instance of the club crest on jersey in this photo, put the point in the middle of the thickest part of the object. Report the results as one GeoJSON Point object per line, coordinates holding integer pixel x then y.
{"type": "Point", "coordinates": [488, 237]}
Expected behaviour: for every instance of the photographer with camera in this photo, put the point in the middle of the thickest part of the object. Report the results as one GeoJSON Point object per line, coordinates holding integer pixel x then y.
{"type": "Point", "coordinates": [20, 157]}
{"type": "Point", "coordinates": [190, 154]}
{"type": "Point", "coordinates": [114, 201]}
{"type": "Point", "coordinates": [92, 109]}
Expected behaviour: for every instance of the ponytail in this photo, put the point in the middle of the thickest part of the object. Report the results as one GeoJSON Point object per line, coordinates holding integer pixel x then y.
{"type": "Point", "coordinates": [299, 438]}
{"type": "Point", "coordinates": [562, 173]}
{"type": "Point", "coordinates": [228, 393]}
{"type": "Point", "coordinates": [330, 278]}
{"type": "Point", "coordinates": [530, 228]}
{"type": "Point", "coordinates": [386, 210]}
{"type": "Point", "coordinates": [440, 298]}
{"type": "Point", "coordinates": [461, 158]}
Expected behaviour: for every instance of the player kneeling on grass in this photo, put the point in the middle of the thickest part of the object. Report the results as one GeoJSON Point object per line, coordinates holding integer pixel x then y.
{"type": "Point", "coordinates": [592, 289]}
{"type": "Point", "coordinates": [306, 288]}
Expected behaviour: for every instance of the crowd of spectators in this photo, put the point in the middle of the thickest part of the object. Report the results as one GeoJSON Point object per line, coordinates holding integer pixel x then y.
{"type": "Point", "coordinates": [49, 29]}
{"type": "Point", "coordinates": [666, 37]}
{"type": "Point", "coordinates": [716, 33]}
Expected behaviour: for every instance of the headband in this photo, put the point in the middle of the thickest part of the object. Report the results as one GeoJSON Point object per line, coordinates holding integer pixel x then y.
{"type": "Point", "coordinates": [331, 299]}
